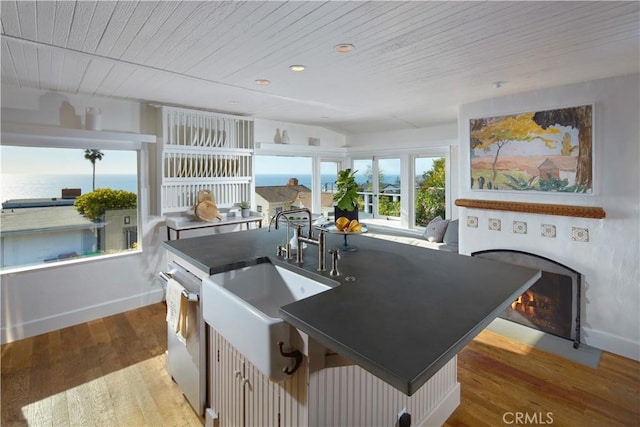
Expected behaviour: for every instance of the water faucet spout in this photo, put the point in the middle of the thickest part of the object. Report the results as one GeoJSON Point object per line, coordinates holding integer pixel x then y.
{"type": "Point", "coordinates": [320, 241]}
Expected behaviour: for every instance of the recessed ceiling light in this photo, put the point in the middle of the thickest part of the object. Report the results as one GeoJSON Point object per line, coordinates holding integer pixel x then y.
{"type": "Point", "coordinates": [296, 68]}
{"type": "Point", "coordinates": [262, 82]}
{"type": "Point", "coordinates": [344, 47]}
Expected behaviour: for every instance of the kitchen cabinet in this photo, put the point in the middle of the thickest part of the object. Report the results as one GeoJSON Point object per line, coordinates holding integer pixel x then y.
{"type": "Point", "coordinates": [326, 390]}
{"type": "Point", "coordinates": [242, 396]}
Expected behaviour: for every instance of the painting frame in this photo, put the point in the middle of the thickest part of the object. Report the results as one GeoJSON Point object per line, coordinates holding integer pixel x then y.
{"type": "Point", "coordinates": [537, 152]}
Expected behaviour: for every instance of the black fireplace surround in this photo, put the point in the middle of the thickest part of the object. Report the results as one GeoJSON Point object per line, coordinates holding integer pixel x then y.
{"type": "Point", "coordinates": [552, 303]}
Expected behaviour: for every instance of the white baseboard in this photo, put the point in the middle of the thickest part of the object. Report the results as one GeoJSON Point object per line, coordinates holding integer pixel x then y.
{"type": "Point", "coordinates": [62, 320]}
{"type": "Point", "coordinates": [443, 411]}
{"type": "Point", "coordinates": [611, 343]}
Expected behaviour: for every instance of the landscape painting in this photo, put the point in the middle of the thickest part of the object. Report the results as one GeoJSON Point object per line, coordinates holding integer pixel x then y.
{"type": "Point", "coordinates": [543, 151]}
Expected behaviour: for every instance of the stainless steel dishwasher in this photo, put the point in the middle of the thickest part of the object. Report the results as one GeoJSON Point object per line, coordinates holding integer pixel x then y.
{"type": "Point", "coordinates": [186, 363]}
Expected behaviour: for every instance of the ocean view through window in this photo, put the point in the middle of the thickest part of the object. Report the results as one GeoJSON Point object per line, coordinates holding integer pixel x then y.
{"type": "Point", "coordinates": [35, 186]}
{"type": "Point", "coordinates": [276, 191]}
{"type": "Point", "coordinates": [51, 211]}
{"type": "Point", "coordinates": [282, 182]}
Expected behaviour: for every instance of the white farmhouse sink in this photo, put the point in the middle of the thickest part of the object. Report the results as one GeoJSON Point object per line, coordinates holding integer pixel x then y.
{"type": "Point", "coordinates": [242, 305]}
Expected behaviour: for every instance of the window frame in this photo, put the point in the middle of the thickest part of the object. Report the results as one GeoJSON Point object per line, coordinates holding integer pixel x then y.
{"type": "Point", "coordinates": [407, 177]}
{"type": "Point", "coordinates": [317, 177]}
{"type": "Point", "coordinates": [34, 136]}
{"type": "Point", "coordinates": [407, 173]}
{"type": "Point", "coordinates": [433, 153]}
{"type": "Point", "coordinates": [317, 155]}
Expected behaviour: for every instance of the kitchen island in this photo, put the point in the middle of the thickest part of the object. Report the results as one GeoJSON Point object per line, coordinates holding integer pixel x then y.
{"type": "Point", "coordinates": [401, 313]}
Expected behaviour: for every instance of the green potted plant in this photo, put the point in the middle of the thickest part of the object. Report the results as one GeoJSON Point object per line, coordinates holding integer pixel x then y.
{"type": "Point", "coordinates": [346, 199]}
{"type": "Point", "coordinates": [246, 209]}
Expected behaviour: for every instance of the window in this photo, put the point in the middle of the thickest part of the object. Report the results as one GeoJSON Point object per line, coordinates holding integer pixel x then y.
{"type": "Point", "coordinates": [283, 182]}
{"type": "Point", "coordinates": [40, 189]}
{"type": "Point", "coordinates": [303, 181]}
{"type": "Point", "coordinates": [328, 176]}
{"type": "Point", "coordinates": [389, 188]}
{"type": "Point", "coordinates": [403, 191]}
{"type": "Point", "coordinates": [430, 189]}
{"type": "Point", "coordinates": [364, 178]}
{"type": "Point", "coordinates": [380, 195]}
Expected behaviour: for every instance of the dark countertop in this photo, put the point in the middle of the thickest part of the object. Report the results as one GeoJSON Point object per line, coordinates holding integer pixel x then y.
{"type": "Point", "coordinates": [406, 314]}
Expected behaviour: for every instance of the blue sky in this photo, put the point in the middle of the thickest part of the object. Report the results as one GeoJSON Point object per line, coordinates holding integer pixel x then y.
{"type": "Point", "coordinates": [36, 160]}
{"type": "Point", "coordinates": [268, 165]}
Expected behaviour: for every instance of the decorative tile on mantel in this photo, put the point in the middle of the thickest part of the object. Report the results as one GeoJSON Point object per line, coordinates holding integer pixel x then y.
{"type": "Point", "coordinates": [495, 224]}
{"type": "Point", "coordinates": [548, 230]}
{"type": "Point", "coordinates": [579, 234]}
{"type": "Point", "coordinates": [519, 227]}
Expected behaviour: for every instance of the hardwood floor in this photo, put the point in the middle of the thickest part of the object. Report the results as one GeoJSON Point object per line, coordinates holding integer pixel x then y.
{"type": "Point", "coordinates": [503, 379]}
{"type": "Point", "coordinates": [110, 372]}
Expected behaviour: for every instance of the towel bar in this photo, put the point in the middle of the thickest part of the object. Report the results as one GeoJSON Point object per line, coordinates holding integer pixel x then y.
{"type": "Point", "coordinates": [166, 276]}
{"type": "Point", "coordinates": [189, 296]}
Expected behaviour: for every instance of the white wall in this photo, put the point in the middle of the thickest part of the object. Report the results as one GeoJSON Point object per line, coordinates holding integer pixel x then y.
{"type": "Point", "coordinates": [53, 297]}
{"type": "Point", "coordinates": [265, 130]}
{"type": "Point", "coordinates": [434, 136]}
{"type": "Point", "coordinates": [609, 260]}
{"type": "Point", "coordinates": [55, 109]}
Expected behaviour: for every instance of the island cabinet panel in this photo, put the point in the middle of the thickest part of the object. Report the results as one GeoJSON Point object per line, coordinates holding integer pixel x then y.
{"type": "Point", "coordinates": [241, 395]}
{"type": "Point", "coordinates": [351, 396]}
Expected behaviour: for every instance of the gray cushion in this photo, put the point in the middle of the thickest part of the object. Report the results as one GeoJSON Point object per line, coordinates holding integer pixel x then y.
{"type": "Point", "coordinates": [435, 229]}
{"type": "Point", "coordinates": [451, 235]}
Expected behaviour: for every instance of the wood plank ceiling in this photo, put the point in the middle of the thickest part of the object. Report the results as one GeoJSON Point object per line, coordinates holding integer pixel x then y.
{"type": "Point", "coordinates": [413, 62]}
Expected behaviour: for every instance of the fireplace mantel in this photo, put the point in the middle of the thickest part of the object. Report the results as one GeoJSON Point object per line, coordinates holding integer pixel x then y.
{"type": "Point", "coordinates": [536, 208]}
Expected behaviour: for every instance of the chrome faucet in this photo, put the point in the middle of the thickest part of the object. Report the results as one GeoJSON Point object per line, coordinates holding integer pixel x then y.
{"type": "Point", "coordinates": [319, 242]}
{"type": "Point", "coordinates": [282, 250]}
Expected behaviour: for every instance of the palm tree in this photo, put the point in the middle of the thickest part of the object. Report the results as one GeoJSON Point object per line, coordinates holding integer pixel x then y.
{"type": "Point", "coordinates": [93, 155]}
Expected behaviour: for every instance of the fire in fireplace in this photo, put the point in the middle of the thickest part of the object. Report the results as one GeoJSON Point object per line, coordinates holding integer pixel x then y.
{"type": "Point", "coordinates": [551, 304]}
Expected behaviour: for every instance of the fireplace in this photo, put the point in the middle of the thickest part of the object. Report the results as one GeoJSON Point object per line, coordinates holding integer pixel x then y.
{"type": "Point", "coordinates": [551, 304]}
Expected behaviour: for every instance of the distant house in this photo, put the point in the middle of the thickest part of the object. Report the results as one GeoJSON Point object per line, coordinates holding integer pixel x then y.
{"type": "Point", "coordinates": [390, 189]}
{"type": "Point", "coordinates": [271, 199]}
{"type": "Point", "coordinates": [31, 235]}
{"type": "Point", "coordinates": [44, 230]}
{"type": "Point", "coordinates": [559, 167]}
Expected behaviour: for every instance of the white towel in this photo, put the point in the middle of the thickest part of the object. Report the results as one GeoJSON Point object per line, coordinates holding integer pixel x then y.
{"type": "Point", "coordinates": [177, 307]}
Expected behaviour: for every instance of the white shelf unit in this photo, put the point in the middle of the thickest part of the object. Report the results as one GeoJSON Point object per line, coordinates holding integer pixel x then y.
{"type": "Point", "coordinates": [27, 134]}
{"type": "Point", "coordinates": [202, 150]}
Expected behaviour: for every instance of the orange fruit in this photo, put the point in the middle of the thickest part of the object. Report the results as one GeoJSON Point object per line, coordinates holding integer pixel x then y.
{"type": "Point", "coordinates": [352, 225]}
{"type": "Point", "coordinates": [342, 223]}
